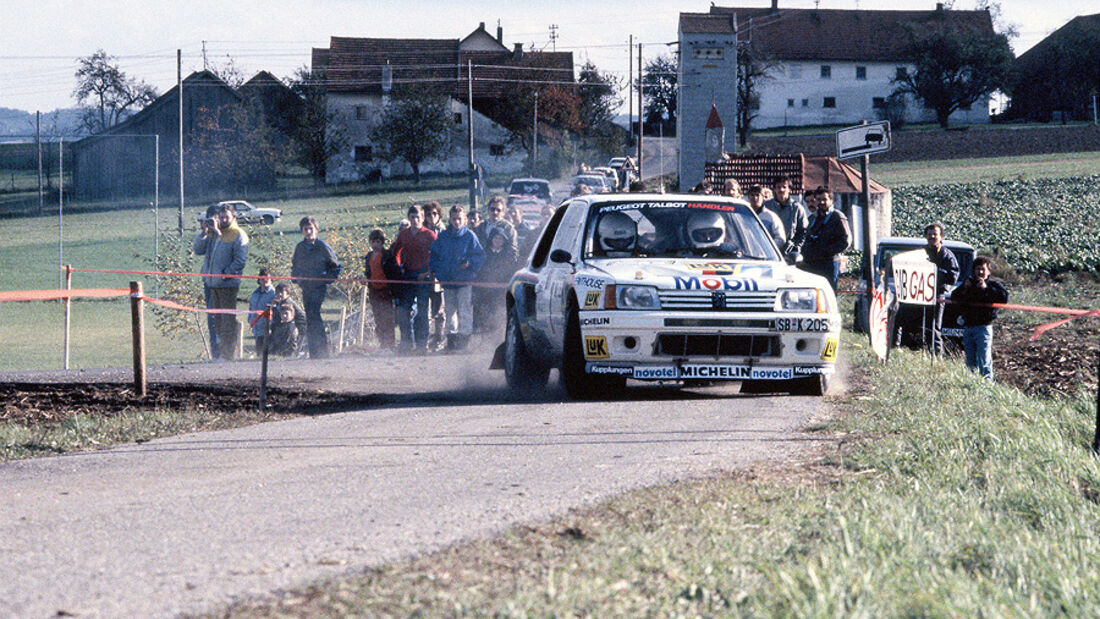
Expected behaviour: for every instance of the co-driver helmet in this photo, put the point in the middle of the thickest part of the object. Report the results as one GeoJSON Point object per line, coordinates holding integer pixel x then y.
{"type": "Point", "coordinates": [706, 229]}
{"type": "Point", "coordinates": [617, 232]}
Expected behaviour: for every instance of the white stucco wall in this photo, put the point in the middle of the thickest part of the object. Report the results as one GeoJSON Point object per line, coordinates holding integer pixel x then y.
{"type": "Point", "coordinates": [794, 94]}
{"type": "Point", "coordinates": [343, 168]}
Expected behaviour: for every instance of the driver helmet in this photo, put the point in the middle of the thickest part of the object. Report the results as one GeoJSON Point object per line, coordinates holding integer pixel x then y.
{"type": "Point", "coordinates": [618, 232]}
{"type": "Point", "coordinates": [706, 229]}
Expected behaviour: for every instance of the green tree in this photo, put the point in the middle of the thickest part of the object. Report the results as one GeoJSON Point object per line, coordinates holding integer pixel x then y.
{"type": "Point", "coordinates": [415, 126]}
{"type": "Point", "coordinates": [659, 89]}
{"type": "Point", "coordinates": [106, 94]}
{"type": "Point", "coordinates": [234, 149]}
{"type": "Point", "coordinates": [599, 101]}
{"type": "Point", "coordinates": [955, 66]}
{"type": "Point", "coordinates": [317, 138]}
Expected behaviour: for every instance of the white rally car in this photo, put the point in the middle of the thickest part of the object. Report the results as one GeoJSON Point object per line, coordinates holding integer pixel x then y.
{"type": "Point", "coordinates": [661, 287]}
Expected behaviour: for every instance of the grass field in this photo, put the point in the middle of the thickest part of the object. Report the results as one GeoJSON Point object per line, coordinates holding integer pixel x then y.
{"type": "Point", "coordinates": [940, 495]}
{"type": "Point", "coordinates": [123, 240]}
{"type": "Point", "coordinates": [992, 169]}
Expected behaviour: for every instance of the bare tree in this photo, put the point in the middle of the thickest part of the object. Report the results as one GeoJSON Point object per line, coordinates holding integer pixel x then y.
{"type": "Point", "coordinates": [753, 66]}
{"type": "Point", "coordinates": [106, 94]}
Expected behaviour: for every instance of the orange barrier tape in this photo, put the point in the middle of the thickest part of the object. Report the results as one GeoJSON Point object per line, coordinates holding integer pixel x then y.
{"type": "Point", "coordinates": [359, 280]}
{"type": "Point", "coordinates": [1041, 329]}
{"type": "Point", "coordinates": [51, 295]}
{"type": "Point", "coordinates": [186, 308]}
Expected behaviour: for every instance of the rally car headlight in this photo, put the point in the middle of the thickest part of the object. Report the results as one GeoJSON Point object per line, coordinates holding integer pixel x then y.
{"type": "Point", "coordinates": [632, 297]}
{"type": "Point", "coordinates": [800, 300]}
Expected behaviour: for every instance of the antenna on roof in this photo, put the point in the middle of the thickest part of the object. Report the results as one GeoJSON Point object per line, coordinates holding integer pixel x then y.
{"type": "Point", "coordinates": [554, 36]}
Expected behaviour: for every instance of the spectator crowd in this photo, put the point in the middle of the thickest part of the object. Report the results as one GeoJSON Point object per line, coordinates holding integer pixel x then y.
{"type": "Point", "coordinates": [430, 290]}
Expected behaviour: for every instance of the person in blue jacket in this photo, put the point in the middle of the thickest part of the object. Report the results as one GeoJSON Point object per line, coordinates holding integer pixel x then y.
{"type": "Point", "coordinates": [456, 258]}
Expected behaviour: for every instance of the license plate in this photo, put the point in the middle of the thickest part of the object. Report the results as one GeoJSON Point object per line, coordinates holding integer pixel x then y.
{"type": "Point", "coordinates": [820, 325]}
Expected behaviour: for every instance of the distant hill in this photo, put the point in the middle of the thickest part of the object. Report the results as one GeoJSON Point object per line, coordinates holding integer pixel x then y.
{"type": "Point", "coordinates": [18, 122]}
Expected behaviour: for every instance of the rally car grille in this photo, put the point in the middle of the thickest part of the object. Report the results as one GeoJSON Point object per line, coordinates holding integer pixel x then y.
{"type": "Point", "coordinates": [717, 345]}
{"type": "Point", "coordinates": [717, 301]}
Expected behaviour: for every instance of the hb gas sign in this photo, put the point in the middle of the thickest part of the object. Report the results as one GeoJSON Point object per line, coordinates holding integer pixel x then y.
{"type": "Point", "coordinates": [914, 278]}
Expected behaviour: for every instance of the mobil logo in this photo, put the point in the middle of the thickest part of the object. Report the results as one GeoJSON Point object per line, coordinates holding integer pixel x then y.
{"type": "Point", "coordinates": [733, 284]}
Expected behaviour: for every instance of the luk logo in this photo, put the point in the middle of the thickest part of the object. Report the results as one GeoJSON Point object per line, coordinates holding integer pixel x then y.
{"type": "Point", "coordinates": [592, 299]}
{"type": "Point", "coordinates": [595, 347]}
{"type": "Point", "coordinates": [829, 352]}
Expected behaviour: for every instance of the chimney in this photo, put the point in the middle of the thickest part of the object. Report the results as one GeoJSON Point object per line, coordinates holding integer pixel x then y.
{"type": "Point", "coordinates": [500, 33]}
{"type": "Point", "coordinates": [481, 26]}
{"type": "Point", "coordinates": [775, 5]}
{"type": "Point", "coordinates": [517, 52]}
{"type": "Point", "coordinates": [939, 7]}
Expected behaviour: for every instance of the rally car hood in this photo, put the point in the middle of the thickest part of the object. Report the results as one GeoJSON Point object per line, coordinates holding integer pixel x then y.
{"type": "Point", "coordinates": [677, 273]}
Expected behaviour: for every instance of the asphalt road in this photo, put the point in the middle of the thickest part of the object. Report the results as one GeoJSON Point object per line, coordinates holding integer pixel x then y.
{"type": "Point", "coordinates": [189, 523]}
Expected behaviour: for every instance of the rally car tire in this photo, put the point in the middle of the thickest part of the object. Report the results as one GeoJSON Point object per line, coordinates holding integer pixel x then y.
{"type": "Point", "coordinates": [579, 384]}
{"type": "Point", "coordinates": [817, 385]}
{"type": "Point", "coordinates": [523, 373]}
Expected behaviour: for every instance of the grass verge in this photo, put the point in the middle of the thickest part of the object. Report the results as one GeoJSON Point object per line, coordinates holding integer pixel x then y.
{"type": "Point", "coordinates": [94, 431]}
{"type": "Point", "coordinates": [942, 496]}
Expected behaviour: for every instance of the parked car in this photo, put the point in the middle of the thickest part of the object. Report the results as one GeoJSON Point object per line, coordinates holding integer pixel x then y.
{"type": "Point", "coordinates": [626, 169]}
{"type": "Point", "coordinates": [659, 287]}
{"type": "Point", "coordinates": [908, 322]}
{"type": "Point", "coordinates": [531, 187]}
{"type": "Point", "coordinates": [597, 182]}
{"type": "Point", "coordinates": [246, 213]}
{"type": "Point", "coordinates": [609, 173]}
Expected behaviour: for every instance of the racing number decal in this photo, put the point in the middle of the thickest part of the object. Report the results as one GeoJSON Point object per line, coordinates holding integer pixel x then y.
{"type": "Point", "coordinates": [592, 299]}
{"type": "Point", "coordinates": [595, 347]}
{"type": "Point", "coordinates": [829, 352]}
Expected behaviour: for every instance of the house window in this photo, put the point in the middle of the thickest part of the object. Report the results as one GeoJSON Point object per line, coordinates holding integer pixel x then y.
{"type": "Point", "coordinates": [796, 72]}
{"type": "Point", "coordinates": [830, 102]}
{"type": "Point", "coordinates": [360, 112]}
{"type": "Point", "coordinates": [790, 102]}
{"type": "Point", "coordinates": [496, 150]}
{"type": "Point", "coordinates": [363, 153]}
{"type": "Point", "coordinates": [879, 103]}
{"type": "Point", "coordinates": [901, 73]}
{"type": "Point", "coordinates": [861, 73]}
{"type": "Point", "coordinates": [458, 118]}
{"type": "Point", "coordinates": [826, 72]}
{"type": "Point", "coordinates": [805, 103]}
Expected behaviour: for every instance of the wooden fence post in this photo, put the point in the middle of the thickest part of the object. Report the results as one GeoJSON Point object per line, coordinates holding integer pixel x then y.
{"type": "Point", "coordinates": [343, 320]}
{"type": "Point", "coordinates": [363, 314]}
{"type": "Point", "coordinates": [137, 329]}
{"type": "Point", "coordinates": [68, 311]}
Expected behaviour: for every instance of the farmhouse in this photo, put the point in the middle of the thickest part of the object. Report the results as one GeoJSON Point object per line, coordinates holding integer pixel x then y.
{"type": "Point", "coordinates": [360, 75]}
{"type": "Point", "coordinates": [823, 67]}
{"type": "Point", "coordinates": [120, 163]}
{"type": "Point", "coordinates": [1060, 75]}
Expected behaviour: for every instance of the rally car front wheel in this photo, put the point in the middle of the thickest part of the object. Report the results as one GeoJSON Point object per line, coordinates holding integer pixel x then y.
{"type": "Point", "coordinates": [579, 384]}
{"type": "Point", "coordinates": [522, 372]}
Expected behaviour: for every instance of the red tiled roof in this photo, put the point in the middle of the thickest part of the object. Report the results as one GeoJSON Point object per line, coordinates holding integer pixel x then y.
{"type": "Point", "coordinates": [831, 34]}
{"type": "Point", "coordinates": [356, 65]}
{"type": "Point", "coordinates": [805, 172]}
{"type": "Point", "coordinates": [705, 23]}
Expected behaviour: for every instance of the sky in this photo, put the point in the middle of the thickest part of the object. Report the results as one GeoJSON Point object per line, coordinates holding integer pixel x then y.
{"type": "Point", "coordinates": [42, 38]}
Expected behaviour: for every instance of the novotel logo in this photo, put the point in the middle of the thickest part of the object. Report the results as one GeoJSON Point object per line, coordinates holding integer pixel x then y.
{"type": "Point", "coordinates": [716, 283]}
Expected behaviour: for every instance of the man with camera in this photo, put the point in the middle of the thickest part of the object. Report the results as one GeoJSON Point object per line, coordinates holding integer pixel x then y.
{"type": "Point", "coordinates": [224, 247]}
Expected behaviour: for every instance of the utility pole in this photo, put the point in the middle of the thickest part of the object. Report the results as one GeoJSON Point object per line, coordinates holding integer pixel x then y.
{"type": "Point", "coordinates": [535, 136]}
{"type": "Point", "coordinates": [60, 210]}
{"type": "Point", "coordinates": [472, 168]}
{"type": "Point", "coordinates": [38, 146]}
{"type": "Point", "coordinates": [554, 37]}
{"type": "Point", "coordinates": [641, 114]}
{"type": "Point", "coordinates": [179, 95]}
{"type": "Point", "coordinates": [630, 89]}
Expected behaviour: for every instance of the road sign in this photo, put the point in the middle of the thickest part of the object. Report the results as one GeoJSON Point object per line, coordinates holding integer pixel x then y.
{"type": "Point", "coordinates": [863, 140]}
{"type": "Point", "coordinates": [914, 278]}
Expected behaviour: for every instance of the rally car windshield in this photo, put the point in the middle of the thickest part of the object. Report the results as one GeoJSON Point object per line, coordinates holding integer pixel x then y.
{"type": "Point", "coordinates": [677, 230]}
